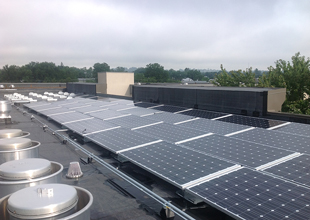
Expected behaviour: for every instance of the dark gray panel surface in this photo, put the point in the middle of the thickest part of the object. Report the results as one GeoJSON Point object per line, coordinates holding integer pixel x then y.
{"type": "Point", "coordinates": [88, 126]}
{"type": "Point", "coordinates": [250, 121]}
{"type": "Point", "coordinates": [119, 139]}
{"type": "Point", "coordinates": [54, 111]}
{"type": "Point", "coordinates": [169, 108]}
{"type": "Point", "coordinates": [238, 151]}
{"type": "Point", "coordinates": [296, 128]}
{"type": "Point", "coordinates": [132, 121]}
{"type": "Point", "coordinates": [168, 117]}
{"type": "Point", "coordinates": [276, 139]}
{"type": "Point", "coordinates": [145, 104]}
{"type": "Point", "coordinates": [173, 163]}
{"type": "Point", "coordinates": [202, 114]}
{"type": "Point", "coordinates": [217, 127]}
{"type": "Point", "coordinates": [139, 111]}
{"type": "Point", "coordinates": [106, 114]}
{"type": "Point", "coordinates": [170, 133]}
{"type": "Point", "coordinates": [68, 117]}
{"type": "Point", "coordinates": [296, 169]}
{"type": "Point", "coordinates": [90, 109]}
{"type": "Point", "coordinates": [248, 194]}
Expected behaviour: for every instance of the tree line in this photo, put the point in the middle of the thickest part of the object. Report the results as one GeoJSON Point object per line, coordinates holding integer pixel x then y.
{"type": "Point", "coordinates": [294, 76]}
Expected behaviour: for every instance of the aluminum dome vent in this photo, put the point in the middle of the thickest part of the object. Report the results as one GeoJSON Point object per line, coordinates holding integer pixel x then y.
{"type": "Point", "coordinates": [18, 148]}
{"type": "Point", "coordinates": [19, 174]}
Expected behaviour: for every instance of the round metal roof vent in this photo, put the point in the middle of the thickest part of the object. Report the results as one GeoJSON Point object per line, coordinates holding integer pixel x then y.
{"type": "Point", "coordinates": [60, 93]}
{"type": "Point", "coordinates": [15, 144]}
{"type": "Point", "coordinates": [5, 108]}
{"type": "Point", "coordinates": [25, 169]}
{"type": "Point", "coordinates": [42, 201]}
{"type": "Point", "coordinates": [10, 133]}
{"type": "Point", "coordinates": [74, 171]}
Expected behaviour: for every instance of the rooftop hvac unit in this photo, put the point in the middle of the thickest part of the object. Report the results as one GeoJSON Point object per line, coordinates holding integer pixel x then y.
{"type": "Point", "coordinates": [48, 202]}
{"type": "Point", "coordinates": [11, 133]}
{"type": "Point", "coordinates": [19, 174]}
{"type": "Point", "coordinates": [18, 148]}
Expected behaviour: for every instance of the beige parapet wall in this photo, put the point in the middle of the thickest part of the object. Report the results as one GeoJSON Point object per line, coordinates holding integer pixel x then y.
{"type": "Point", "coordinates": [276, 97]}
{"type": "Point", "coordinates": [59, 86]}
{"type": "Point", "coordinates": [115, 83]}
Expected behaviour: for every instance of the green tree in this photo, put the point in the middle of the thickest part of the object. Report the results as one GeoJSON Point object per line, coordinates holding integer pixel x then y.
{"type": "Point", "coordinates": [235, 78]}
{"type": "Point", "coordinates": [193, 74]}
{"type": "Point", "coordinates": [157, 72]}
{"type": "Point", "coordinates": [100, 67]}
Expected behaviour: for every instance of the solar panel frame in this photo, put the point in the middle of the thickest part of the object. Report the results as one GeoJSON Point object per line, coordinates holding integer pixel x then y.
{"type": "Point", "coordinates": [296, 169]}
{"type": "Point", "coordinates": [145, 104]}
{"type": "Point", "coordinates": [69, 117]}
{"type": "Point", "coordinates": [54, 111]}
{"type": "Point", "coordinates": [182, 165]}
{"type": "Point", "coordinates": [213, 126]}
{"type": "Point", "coordinates": [120, 139]}
{"type": "Point", "coordinates": [106, 114]}
{"type": "Point", "coordinates": [170, 133]}
{"type": "Point", "coordinates": [248, 194]}
{"type": "Point", "coordinates": [251, 121]}
{"type": "Point", "coordinates": [132, 121]}
{"type": "Point", "coordinates": [88, 127]}
{"type": "Point", "coordinates": [202, 114]}
{"type": "Point", "coordinates": [169, 108]}
{"type": "Point", "coordinates": [276, 139]}
{"type": "Point", "coordinates": [168, 117]}
{"type": "Point", "coordinates": [296, 128]}
{"type": "Point", "coordinates": [238, 151]}
{"type": "Point", "coordinates": [138, 111]}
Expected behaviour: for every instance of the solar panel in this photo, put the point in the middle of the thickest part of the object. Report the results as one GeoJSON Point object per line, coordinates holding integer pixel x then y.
{"type": "Point", "coordinates": [145, 104]}
{"type": "Point", "coordinates": [106, 114]}
{"type": "Point", "coordinates": [90, 109]}
{"type": "Point", "coordinates": [120, 139]}
{"type": "Point", "coordinates": [238, 151]}
{"type": "Point", "coordinates": [296, 128]}
{"type": "Point", "coordinates": [217, 127]}
{"type": "Point", "coordinates": [168, 117]}
{"type": "Point", "coordinates": [69, 117]}
{"type": "Point", "coordinates": [132, 121]}
{"type": "Point", "coordinates": [296, 169]}
{"type": "Point", "coordinates": [117, 107]}
{"type": "Point", "coordinates": [53, 111]}
{"type": "Point", "coordinates": [170, 133]}
{"type": "Point", "coordinates": [169, 108]}
{"type": "Point", "coordinates": [276, 139]}
{"type": "Point", "coordinates": [247, 194]}
{"type": "Point", "coordinates": [138, 111]}
{"type": "Point", "coordinates": [88, 127]}
{"type": "Point", "coordinates": [177, 165]}
{"type": "Point", "coordinates": [77, 105]}
{"type": "Point", "coordinates": [42, 106]}
{"type": "Point", "coordinates": [202, 114]}
{"type": "Point", "coordinates": [250, 121]}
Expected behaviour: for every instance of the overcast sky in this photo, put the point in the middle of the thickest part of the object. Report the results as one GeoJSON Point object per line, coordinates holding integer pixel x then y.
{"type": "Point", "coordinates": [198, 34]}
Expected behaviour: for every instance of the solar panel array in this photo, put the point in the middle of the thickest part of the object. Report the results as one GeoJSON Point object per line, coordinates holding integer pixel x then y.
{"type": "Point", "coordinates": [250, 168]}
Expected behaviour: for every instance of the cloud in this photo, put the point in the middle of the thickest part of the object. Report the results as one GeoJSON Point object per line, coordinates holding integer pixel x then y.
{"type": "Point", "coordinates": [176, 34]}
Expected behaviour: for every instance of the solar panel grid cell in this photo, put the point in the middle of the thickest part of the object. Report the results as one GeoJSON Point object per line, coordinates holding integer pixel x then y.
{"type": "Point", "coordinates": [241, 152]}
{"type": "Point", "coordinates": [175, 164]}
{"type": "Point", "coordinates": [168, 117]}
{"type": "Point", "coordinates": [217, 127]}
{"type": "Point", "coordinates": [203, 114]}
{"type": "Point", "coordinates": [276, 139]}
{"type": "Point", "coordinates": [170, 133]}
{"type": "Point", "coordinates": [250, 121]}
{"type": "Point", "coordinates": [297, 169]}
{"type": "Point", "coordinates": [69, 117]}
{"type": "Point", "coordinates": [296, 128]}
{"type": "Point", "coordinates": [132, 121]}
{"type": "Point", "coordinates": [253, 195]}
{"type": "Point", "coordinates": [120, 139]}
